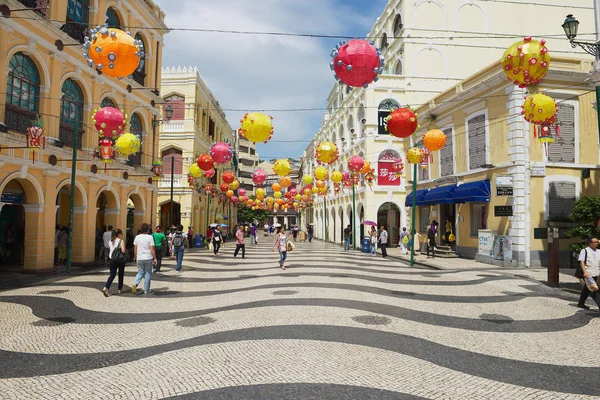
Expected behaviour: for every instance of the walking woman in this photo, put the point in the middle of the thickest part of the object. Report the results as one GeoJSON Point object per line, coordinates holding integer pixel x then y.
{"type": "Point", "coordinates": [373, 235]}
{"type": "Point", "coordinates": [116, 263]}
{"type": "Point", "coordinates": [281, 242]}
{"type": "Point", "coordinates": [431, 235]}
{"type": "Point", "coordinates": [217, 239]}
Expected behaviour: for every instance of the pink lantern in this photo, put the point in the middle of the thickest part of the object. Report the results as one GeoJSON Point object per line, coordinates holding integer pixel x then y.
{"type": "Point", "coordinates": [241, 192]}
{"type": "Point", "coordinates": [221, 152]}
{"type": "Point", "coordinates": [293, 192]}
{"type": "Point", "coordinates": [356, 163]}
{"type": "Point", "coordinates": [209, 174]}
{"type": "Point", "coordinates": [356, 62]}
{"type": "Point", "coordinates": [234, 200]}
{"type": "Point", "coordinates": [345, 175]}
{"type": "Point", "coordinates": [259, 176]}
{"type": "Point", "coordinates": [110, 122]}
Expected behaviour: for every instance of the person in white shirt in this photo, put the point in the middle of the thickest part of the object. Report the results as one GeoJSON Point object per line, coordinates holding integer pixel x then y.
{"type": "Point", "coordinates": [106, 239]}
{"type": "Point", "coordinates": [143, 253]}
{"type": "Point", "coordinates": [589, 260]}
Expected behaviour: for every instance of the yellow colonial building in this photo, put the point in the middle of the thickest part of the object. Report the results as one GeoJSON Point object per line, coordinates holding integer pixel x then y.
{"type": "Point", "coordinates": [56, 84]}
{"type": "Point", "coordinates": [494, 180]}
{"type": "Point", "coordinates": [197, 122]}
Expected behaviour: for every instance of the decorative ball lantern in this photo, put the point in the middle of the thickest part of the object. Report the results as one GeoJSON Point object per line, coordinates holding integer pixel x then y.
{"type": "Point", "coordinates": [370, 177]}
{"type": "Point", "coordinates": [413, 155]}
{"type": "Point", "coordinates": [277, 195]}
{"type": "Point", "coordinates": [35, 137]}
{"type": "Point", "coordinates": [195, 171]}
{"type": "Point", "coordinates": [326, 153]}
{"type": "Point", "coordinates": [307, 179]}
{"type": "Point", "coordinates": [356, 62]}
{"type": "Point", "coordinates": [426, 158]}
{"type": "Point", "coordinates": [209, 174]}
{"type": "Point", "coordinates": [398, 167]}
{"type": "Point", "coordinates": [259, 176]}
{"type": "Point", "coordinates": [356, 163]}
{"type": "Point", "coordinates": [434, 140]}
{"type": "Point", "coordinates": [526, 62]}
{"type": "Point", "coordinates": [256, 127]}
{"type": "Point", "coordinates": [128, 144]}
{"type": "Point", "coordinates": [336, 177]}
{"type": "Point", "coordinates": [110, 122]}
{"type": "Point", "coordinates": [221, 152]}
{"type": "Point", "coordinates": [315, 190]}
{"type": "Point", "coordinates": [285, 182]}
{"type": "Point", "coordinates": [260, 192]}
{"type": "Point", "coordinates": [228, 177]}
{"type": "Point", "coordinates": [282, 167]}
{"type": "Point", "coordinates": [323, 191]}
{"type": "Point", "coordinates": [539, 109]}
{"type": "Point", "coordinates": [229, 194]}
{"type": "Point", "coordinates": [105, 151]}
{"type": "Point", "coordinates": [402, 122]}
{"type": "Point", "coordinates": [345, 175]}
{"type": "Point", "coordinates": [241, 192]}
{"type": "Point", "coordinates": [191, 181]}
{"type": "Point", "coordinates": [157, 168]}
{"type": "Point", "coordinates": [205, 162]}
{"type": "Point", "coordinates": [366, 168]}
{"type": "Point", "coordinates": [224, 187]}
{"type": "Point", "coordinates": [112, 51]}
{"type": "Point", "coordinates": [208, 188]}
{"type": "Point", "coordinates": [234, 185]}
{"type": "Point", "coordinates": [321, 173]}
{"type": "Point", "coordinates": [320, 184]}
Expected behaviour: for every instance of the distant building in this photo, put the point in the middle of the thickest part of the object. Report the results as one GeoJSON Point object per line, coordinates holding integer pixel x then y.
{"type": "Point", "coordinates": [247, 163]}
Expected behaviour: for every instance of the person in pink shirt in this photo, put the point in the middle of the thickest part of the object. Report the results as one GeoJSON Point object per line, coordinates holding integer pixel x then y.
{"type": "Point", "coordinates": [239, 243]}
{"type": "Point", "coordinates": [281, 241]}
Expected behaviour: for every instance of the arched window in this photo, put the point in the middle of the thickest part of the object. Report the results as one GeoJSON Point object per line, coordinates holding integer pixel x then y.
{"type": "Point", "coordinates": [341, 134]}
{"type": "Point", "coordinates": [71, 113]}
{"type": "Point", "coordinates": [135, 127]}
{"type": "Point", "coordinates": [350, 124]}
{"type": "Point", "coordinates": [107, 102]}
{"type": "Point", "coordinates": [361, 113]}
{"type": "Point", "coordinates": [384, 42]}
{"type": "Point", "coordinates": [398, 68]}
{"type": "Point", "coordinates": [384, 109]}
{"type": "Point", "coordinates": [77, 19]}
{"type": "Point", "coordinates": [140, 73]}
{"type": "Point", "coordinates": [22, 92]}
{"type": "Point", "coordinates": [112, 18]}
{"type": "Point", "coordinates": [398, 25]}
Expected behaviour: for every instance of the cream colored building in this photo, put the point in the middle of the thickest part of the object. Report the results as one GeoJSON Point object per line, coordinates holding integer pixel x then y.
{"type": "Point", "coordinates": [198, 121]}
{"type": "Point", "coordinates": [429, 47]}
{"type": "Point", "coordinates": [247, 163]}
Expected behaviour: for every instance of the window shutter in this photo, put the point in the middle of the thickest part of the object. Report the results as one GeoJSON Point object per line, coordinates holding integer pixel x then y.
{"type": "Point", "coordinates": [476, 142]}
{"type": "Point", "coordinates": [563, 149]}
{"type": "Point", "coordinates": [446, 155]}
{"type": "Point", "coordinates": [178, 164]}
{"type": "Point", "coordinates": [178, 107]}
{"type": "Point", "coordinates": [561, 198]}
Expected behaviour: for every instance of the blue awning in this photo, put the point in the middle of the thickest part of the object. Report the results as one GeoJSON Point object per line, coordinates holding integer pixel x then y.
{"type": "Point", "coordinates": [472, 192]}
{"type": "Point", "coordinates": [420, 198]}
{"type": "Point", "coordinates": [439, 195]}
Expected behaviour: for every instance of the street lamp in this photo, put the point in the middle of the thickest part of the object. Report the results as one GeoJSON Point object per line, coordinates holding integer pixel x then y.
{"type": "Point", "coordinates": [168, 116]}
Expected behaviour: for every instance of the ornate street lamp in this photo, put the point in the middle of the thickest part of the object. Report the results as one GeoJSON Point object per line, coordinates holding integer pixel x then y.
{"type": "Point", "coordinates": [168, 116]}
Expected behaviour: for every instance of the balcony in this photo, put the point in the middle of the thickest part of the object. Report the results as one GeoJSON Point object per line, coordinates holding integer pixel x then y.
{"type": "Point", "coordinates": [178, 126]}
{"type": "Point", "coordinates": [18, 119]}
{"type": "Point", "coordinates": [178, 181]}
{"type": "Point", "coordinates": [75, 30]}
{"type": "Point", "coordinates": [139, 77]}
{"type": "Point", "coordinates": [40, 5]}
{"type": "Point", "coordinates": [66, 135]}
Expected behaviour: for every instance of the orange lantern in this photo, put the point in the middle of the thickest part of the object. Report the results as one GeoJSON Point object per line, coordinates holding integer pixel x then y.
{"type": "Point", "coordinates": [285, 181]}
{"type": "Point", "coordinates": [366, 167]}
{"type": "Point", "coordinates": [434, 140]}
{"type": "Point", "coordinates": [113, 52]}
{"type": "Point", "coordinates": [320, 184]}
{"type": "Point", "coordinates": [229, 193]}
{"type": "Point", "coordinates": [276, 187]}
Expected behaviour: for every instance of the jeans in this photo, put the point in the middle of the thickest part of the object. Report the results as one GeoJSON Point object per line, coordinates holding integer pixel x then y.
{"type": "Point", "coordinates": [114, 266]}
{"type": "Point", "coordinates": [216, 246]}
{"type": "Point", "coordinates": [144, 271]}
{"type": "Point", "coordinates": [253, 239]}
{"type": "Point", "coordinates": [585, 293]}
{"type": "Point", "coordinates": [282, 257]}
{"type": "Point", "coordinates": [237, 250]}
{"type": "Point", "coordinates": [347, 243]}
{"type": "Point", "coordinates": [309, 237]}
{"type": "Point", "coordinates": [373, 248]}
{"type": "Point", "coordinates": [178, 251]}
{"type": "Point", "coordinates": [383, 250]}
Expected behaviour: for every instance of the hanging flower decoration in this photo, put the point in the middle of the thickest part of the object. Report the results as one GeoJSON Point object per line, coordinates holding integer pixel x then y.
{"type": "Point", "coordinates": [157, 168]}
{"type": "Point", "coordinates": [110, 122]}
{"type": "Point", "coordinates": [307, 179]}
{"type": "Point", "coordinates": [356, 62]}
{"type": "Point", "coordinates": [259, 176]}
{"type": "Point", "coordinates": [256, 127]}
{"type": "Point", "coordinates": [234, 185]}
{"type": "Point", "coordinates": [209, 173]}
{"type": "Point", "coordinates": [220, 152]}
{"type": "Point", "coordinates": [112, 51]}
{"type": "Point", "coordinates": [402, 122]}
{"type": "Point", "coordinates": [35, 136]}
{"type": "Point", "coordinates": [326, 153]}
{"type": "Point", "coordinates": [526, 62]}
{"type": "Point", "coordinates": [413, 155]}
{"type": "Point", "coordinates": [336, 177]}
{"type": "Point", "coordinates": [195, 171]}
{"type": "Point", "coordinates": [228, 177]}
{"type": "Point", "coordinates": [282, 167]}
{"type": "Point", "coordinates": [434, 140]}
{"type": "Point", "coordinates": [321, 173]}
{"type": "Point", "coordinates": [128, 144]}
{"type": "Point", "coordinates": [205, 162]}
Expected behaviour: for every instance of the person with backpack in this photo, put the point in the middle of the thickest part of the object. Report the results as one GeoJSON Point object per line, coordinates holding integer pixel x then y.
{"type": "Point", "coordinates": [239, 243]}
{"type": "Point", "coordinates": [403, 242]}
{"type": "Point", "coordinates": [589, 263]}
{"type": "Point", "coordinates": [217, 240]}
{"type": "Point", "coordinates": [118, 258]}
{"type": "Point", "coordinates": [347, 237]}
{"type": "Point", "coordinates": [160, 241]}
{"type": "Point", "coordinates": [431, 235]}
{"type": "Point", "coordinates": [178, 244]}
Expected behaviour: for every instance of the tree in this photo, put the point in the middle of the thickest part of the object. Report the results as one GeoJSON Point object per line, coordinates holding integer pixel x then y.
{"type": "Point", "coordinates": [249, 215]}
{"type": "Point", "coordinates": [586, 213]}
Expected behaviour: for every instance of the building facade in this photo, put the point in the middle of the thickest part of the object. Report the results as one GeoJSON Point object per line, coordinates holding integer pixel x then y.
{"type": "Point", "coordinates": [197, 122]}
{"type": "Point", "coordinates": [429, 47]}
{"type": "Point", "coordinates": [247, 163]}
{"type": "Point", "coordinates": [63, 91]}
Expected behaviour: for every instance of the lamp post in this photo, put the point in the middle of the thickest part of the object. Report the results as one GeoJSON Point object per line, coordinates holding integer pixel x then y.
{"type": "Point", "coordinates": [412, 220]}
{"type": "Point", "coordinates": [156, 123]}
{"type": "Point", "coordinates": [72, 196]}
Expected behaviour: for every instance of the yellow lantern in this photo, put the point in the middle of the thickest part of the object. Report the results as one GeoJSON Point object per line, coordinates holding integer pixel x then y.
{"type": "Point", "coordinates": [321, 173]}
{"type": "Point", "coordinates": [526, 62]}
{"type": "Point", "coordinates": [256, 127]}
{"type": "Point", "coordinates": [413, 155]}
{"type": "Point", "coordinates": [320, 184]}
{"type": "Point", "coordinates": [323, 190]}
{"type": "Point", "coordinates": [285, 182]}
{"type": "Point", "coordinates": [315, 190]}
{"type": "Point", "coordinates": [336, 177]}
{"type": "Point", "coordinates": [113, 52]}
{"type": "Point", "coordinates": [277, 195]}
{"type": "Point", "coordinates": [128, 144]}
{"type": "Point", "coordinates": [195, 171]}
{"type": "Point", "coordinates": [296, 204]}
{"type": "Point", "coordinates": [234, 185]}
{"type": "Point", "coordinates": [260, 192]}
{"type": "Point", "coordinates": [282, 167]}
{"type": "Point", "coordinates": [326, 153]}
{"type": "Point", "coordinates": [366, 168]}
{"type": "Point", "coordinates": [434, 140]}
{"type": "Point", "coordinates": [298, 197]}
{"type": "Point", "coordinates": [307, 179]}
{"type": "Point", "coordinates": [539, 108]}
{"type": "Point", "coordinates": [270, 200]}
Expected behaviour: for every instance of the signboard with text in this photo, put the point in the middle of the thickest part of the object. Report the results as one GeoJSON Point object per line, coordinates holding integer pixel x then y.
{"type": "Point", "coordinates": [486, 241]}
{"type": "Point", "coordinates": [504, 191]}
{"type": "Point", "coordinates": [382, 115]}
{"type": "Point", "coordinates": [503, 211]}
{"type": "Point", "coordinates": [386, 176]}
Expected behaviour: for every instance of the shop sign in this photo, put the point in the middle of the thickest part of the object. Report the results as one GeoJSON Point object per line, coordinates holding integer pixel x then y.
{"type": "Point", "coordinates": [486, 241]}
{"type": "Point", "coordinates": [503, 211]}
{"type": "Point", "coordinates": [447, 180]}
{"type": "Point", "coordinates": [386, 175]}
{"type": "Point", "coordinates": [382, 115]}
{"type": "Point", "coordinates": [504, 191]}
{"type": "Point", "coordinates": [12, 198]}
{"type": "Point", "coordinates": [538, 171]}
{"type": "Point", "coordinates": [504, 181]}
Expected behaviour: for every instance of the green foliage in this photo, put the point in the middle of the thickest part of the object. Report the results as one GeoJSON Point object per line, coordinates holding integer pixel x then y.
{"type": "Point", "coordinates": [247, 215]}
{"type": "Point", "coordinates": [586, 213]}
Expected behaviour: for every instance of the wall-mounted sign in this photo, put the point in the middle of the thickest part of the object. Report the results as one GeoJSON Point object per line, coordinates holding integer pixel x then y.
{"type": "Point", "coordinates": [12, 198]}
{"type": "Point", "coordinates": [538, 171]}
{"type": "Point", "coordinates": [506, 181]}
{"type": "Point", "coordinates": [502, 248]}
{"type": "Point", "coordinates": [447, 180]}
{"type": "Point", "coordinates": [504, 191]}
{"type": "Point", "coordinates": [386, 176]}
{"type": "Point", "coordinates": [382, 123]}
{"type": "Point", "coordinates": [503, 211]}
{"type": "Point", "coordinates": [486, 241]}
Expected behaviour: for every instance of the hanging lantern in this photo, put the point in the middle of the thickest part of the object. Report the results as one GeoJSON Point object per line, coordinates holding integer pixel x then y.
{"type": "Point", "coordinates": [355, 178]}
{"type": "Point", "coordinates": [256, 127]}
{"type": "Point", "coordinates": [345, 175]}
{"type": "Point", "coordinates": [356, 62]}
{"type": "Point", "coordinates": [241, 192]}
{"type": "Point", "coordinates": [526, 62]}
{"type": "Point", "coordinates": [259, 176]}
{"type": "Point", "coordinates": [348, 183]}
{"type": "Point", "coordinates": [337, 188]}
{"type": "Point", "coordinates": [276, 187]}
{"type": "Point", "coordinates": [426, 158]}
{"type": "Point", "coordinates": [195, 171]}
{"type": "Point", "coordinates": [228, 177]}
{"type": "Point", "coordinates": [209, 174]}
{"type": "Point", "coordinates": [402, 122]}
{"type": "Point", "coordinates": [35, 137]}
{"type": "Point", "coordinates": [321, 173]}
{"type": "Point", "coordinates": [234, 200]}
{"type": "Point", "coordinates": [234, 185]}
{"type": "Point", "coordinates": [260, 192]}
{"type": "Point", "coordinates": [356, 163]}
{"type": "Point", "coordinates": [307, 179]}
{"type": "Point", "coordinates": [224, 187]}
{"type": "Point", "coordinates": [323, 191]}
{"type": "Point", "coordinates": [539, 109]}
{"type": "Point", "coordinates": [366, 168]}
{"type": "Point", "coordinates": [398, 167]}
{"type": "Point", "coordinates": [157, 168]}
{"type": "Point", "coordinates": [315, 190]}
{"type": "Point", "coordinates": [370, 177]}
{"type": "Point", "coordinates": [105, 151]}
{"type": "Point", "coordinates": [191, 181]}
{"type": "Point", "coordinates": [545, 135]}
{"type": "Point", "coordinates": [208, 188]}
{"type": "Point", "coordinates": [413, 155]}
{"type": "Point", "coordinates": [113, 52]}
{"type": "Point", "coordinates": [110, 122]}
{"type": "Point", "coordinates": [434, 140]}
{"type": "Point", "coordinates": [326, 153]}
{"type": "Point", "coordinates": [285, 182]}
{"type": "Point", "coordinates": [128, 144]}
{"type": "Point", "coordinates": [277, 195]}
{"type": "Point", "coordinates": [229, 194]}
{"type": "Point", "coordinates": [205, 162]}
{"type": "Point", "coordinates": [221, 152]}
{"type": "Point", "coordinates": [320, 184]}
{"type": "Point", "coordinates": [282, 167]}
{"type": "Point", "coordinates": [336, 177]}
{"type": "Point", "coordinates": [297, 197]}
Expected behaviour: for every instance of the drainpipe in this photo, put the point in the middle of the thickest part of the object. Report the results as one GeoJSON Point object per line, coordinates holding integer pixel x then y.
{"type": "Point", "coordinates": [527, 172]}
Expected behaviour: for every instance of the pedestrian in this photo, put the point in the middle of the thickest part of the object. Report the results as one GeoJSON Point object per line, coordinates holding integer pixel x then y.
{"type": "Point", "coordinates": [271, 230]}
{"type": "Point", "coordinates": [56, 236]}
{"type": "Point", "coordinates": [448, 231]}
{"type": "Point", "coordinates": [106, 238]}
{"type": "Point", "coordinates": [431, 235]}
{"type": "Point", "coordinates": [209, 236]}
{"type": "Point", "coordinates": [190, 237]}
{"type": "Point", "coordinates": [295, 232]}
{"type": "Point", "coordinates": [309, 230]}
{"type": "Point", "coordinates": [217, 239]}
{"type": "Point", "coordinates": [415, 241]}
{"type": "Point", "coordinates": [170, 242]}
{"type": "Point", "coordinates": [129, 243]}
{"type": "Point", "coordinates": [589, 260]}
{"type": "Point", "coordinates": [347, 237]}
{"type": "Point", "coordinates": [117, 262]}
{"type": "Point", "coordinates": [160, 242]}
{"type": "Point", "coordinates": [281, 242]}
{"type": "Point", "coordinates": [144, 255]}
{"type": "Point", "coordinates": [252, 234]}
{"type": "Point", "coordinates": [266, 230]}
{"type": "Point", "coordinates": [239, 243]}
{"type": "Point", "coordinates": [373, 235]}
{"type": "Point", "coordinates": [403, 241]}
{"type": "Point", "coordinates": [178, 245]}
{"type": "Point", "coordinates": [383, 240]}
{"type": "Point", "coordinates": [63, 240]}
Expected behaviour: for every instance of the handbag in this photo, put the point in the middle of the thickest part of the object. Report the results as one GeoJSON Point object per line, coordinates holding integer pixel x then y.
{"type": "Point", "coordinates": [451, 237]}
{"type": "Point", "coordinates": [118, 255]}
{"type": "Point", "coordinates": [290, 246]}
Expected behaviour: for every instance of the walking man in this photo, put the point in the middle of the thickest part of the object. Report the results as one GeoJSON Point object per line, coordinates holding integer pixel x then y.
{"type": "Point", "coordinates": [309, 230]}
{"type": "Point", "coordinates": [347, 237]}
{"type": "Point", "coordinates": [160, 241]}
{"type": "Point", "coordinates": [178, 244]}
{"type": "Point", "coordinates": [239, 243]}
{"type": "Point", "coordinates": [143, 253]}
{"type": "Point", "coordinates": [589, 260]}
{"type": "Point", "coordinates": [190, 237]}
{"type": "Point", "coordinates": [383, 240]}
{"type": "Point", "coordinates": [106, 239]}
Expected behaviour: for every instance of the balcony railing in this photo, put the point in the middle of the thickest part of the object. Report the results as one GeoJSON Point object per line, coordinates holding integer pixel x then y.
{"type": "Point", "coordinates": [18, 119]}
{"type": "Point", "coordinates": [75, 30]}
{"type": "Point", "coordinates": [40, 5]}
{"type": "Point", "coordinates": [66, 135]}
{"type": "Point", "coordinates": [139, 77]}
{"type": "Point", "coordinates": [178, 181]}
{"type": "Point", "coordinates": [173, 127]}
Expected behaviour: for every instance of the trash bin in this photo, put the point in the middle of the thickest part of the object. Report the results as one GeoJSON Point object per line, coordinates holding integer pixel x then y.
{"type": "Point", "coordinates": [366, 244]}
{"type": "Point", "coordinates": [198, 242]}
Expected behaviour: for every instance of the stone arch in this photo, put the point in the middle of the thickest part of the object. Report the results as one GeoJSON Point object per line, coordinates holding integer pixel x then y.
{"type": "Point", "coordinates": [398, 68]}
{"type": "Point", "coordinates": [427, 61]}
{"type": "Point", "coordinates": [342, 226]}
{"type": "Point", "coordinates": [137, 199]}
{"type": "Point", "coordinates": [113, 201]}
{"type": "Point", "coordinates": [468, 10]}
{"type": "Point", "coordinates": [429, 14]}
{"type": "Point", "coordinates": [34, 193]}
{"type": "Point", "coordinates": [389, 213]}
{"type": "Point", "coordinates": [397, 25]}
{"type": "Point", "coordinates": [83, 84]}
{"type": "Point", "coordinates": [38, 60]}
{"type": "Point", "coordinates": [142, 112]}
{"type": "Point", "coordinates": [117, 10]}
{"type": "Point", "coordinates": [81, 199]}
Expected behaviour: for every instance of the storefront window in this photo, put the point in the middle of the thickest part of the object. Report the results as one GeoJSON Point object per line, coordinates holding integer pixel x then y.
{"type": "Point", "coordinates": [478, 217]}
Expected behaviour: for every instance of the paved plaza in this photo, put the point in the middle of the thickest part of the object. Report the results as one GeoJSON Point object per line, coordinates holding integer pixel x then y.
{"type": "Point", "coordinates": [334, 325]}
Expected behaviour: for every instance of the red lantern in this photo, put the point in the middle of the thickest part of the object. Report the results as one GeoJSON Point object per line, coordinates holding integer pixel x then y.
{"type": "Point", "coordinates": [209, 174]}
{"type": "Point", "coordinates": [426, 158]}
{"type": "Point", "coordinates": [355, 163]}
{"type": "Point", "coordinates": [402, 122]}
{"type": "Point", "coordinates": [191, 181]}
{"type": "Point", "coordinates": [224, 187]}
{"type": "Point", "coordinates": [221, 152]}
{"type": "Point", "coordinates": [259, 176]}
{"type": "Point", "coordinates": [110, 122]}
{"type": "Point", "coordinates": [398, 167]}
{"type": "Point", "coordinates": [35, 139]}
{"type": "Point", "coordinates": [356, 62]}
{"type": "Point", "coordinates": [370, 177]}
{"type": "Point", "coordinates": [106, 150]}
{"type": "Point", "coordinates": [205, 162]}
{"type": "Point", "coordinates": [228, 177]}
{"type": "Point", "coordinates": [208, 188]}
{"type": "Point", "coordinates": [157, 168]}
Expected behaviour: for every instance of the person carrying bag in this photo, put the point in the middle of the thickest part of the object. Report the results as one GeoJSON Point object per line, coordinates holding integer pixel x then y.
{"type": "Point", "coordinates": [117, 261]}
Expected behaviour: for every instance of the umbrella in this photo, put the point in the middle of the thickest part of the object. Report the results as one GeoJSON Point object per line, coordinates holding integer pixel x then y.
{"type": "Point", "coordinates": [223, 225]}
{"type": "Point", "coordinates": [371, 223]}
{"type": "Point", "coordinates": [276, 225]}
{"type": "Point", "coordinates": [213, 225]}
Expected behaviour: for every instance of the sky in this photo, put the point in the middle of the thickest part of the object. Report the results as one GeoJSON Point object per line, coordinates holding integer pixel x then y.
{"type": "Point", "coordinates": [247, 72]}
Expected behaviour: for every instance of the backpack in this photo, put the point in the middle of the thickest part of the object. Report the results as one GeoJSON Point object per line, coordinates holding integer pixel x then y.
{"type": "Point", "coordinates": [405, 239]}
{"type": "Point", "coordinates": [178, 239]}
